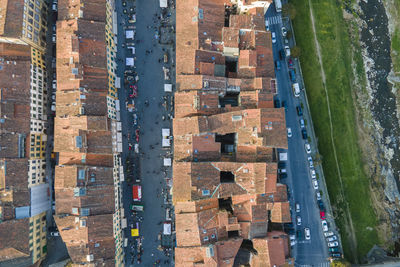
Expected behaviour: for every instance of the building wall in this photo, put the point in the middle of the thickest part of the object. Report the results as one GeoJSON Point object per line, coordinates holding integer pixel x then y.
{"type": "Point", "coordinates": [37, 237]}
{"type": "Point", "coordinates": [36, 171]}
{"type": "Point", "coordinates": [34, 23]}
{"type": "Point", "coordinates": [111, 62]}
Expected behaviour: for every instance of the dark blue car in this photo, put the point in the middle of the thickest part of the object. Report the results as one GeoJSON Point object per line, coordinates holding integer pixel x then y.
{"type": "Point", "coordinates": [292, 75]}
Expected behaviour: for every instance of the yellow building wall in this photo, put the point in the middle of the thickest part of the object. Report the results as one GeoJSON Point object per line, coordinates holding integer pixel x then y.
{"type": "Point", "coordinates": [37, 146]}
{"type": "Point", "coordinates": [37, 236]}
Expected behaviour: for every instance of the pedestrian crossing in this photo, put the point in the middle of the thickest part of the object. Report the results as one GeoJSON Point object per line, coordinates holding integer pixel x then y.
{"type": "Point", "coordinates": [322, 264]}
{"type": "Point", "coordinates": [274, 20]}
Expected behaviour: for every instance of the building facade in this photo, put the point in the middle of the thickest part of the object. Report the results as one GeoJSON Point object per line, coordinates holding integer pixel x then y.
{"type": "Point", "coordinates": [23, 85]}
{"type": "Point", "coordinates": [89, 174]}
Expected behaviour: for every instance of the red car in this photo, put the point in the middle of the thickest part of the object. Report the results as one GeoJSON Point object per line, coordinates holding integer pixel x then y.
{"type": "Point", "coordinates": [137, 135]}
{"type": "Point", "coordinates": [322, 215]}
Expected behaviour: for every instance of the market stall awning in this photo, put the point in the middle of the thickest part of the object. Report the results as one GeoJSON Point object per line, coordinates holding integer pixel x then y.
{"type": "Point", "coordinates": [165, 132]}
{"type": "Point", "coordinates": [166, 142]}
{"type": "Point", "coordinates": [130, 61]}
{"type": "Point", "coordinates": [167, 162]}
{"type": "Point", "coordinates": [167, 229]}
{"type": "Point", "coordinates": [168, 87]}
{"type": "Point", "coordinates": [163, 3]}
{"type": "Point", "coordinates": [129, 34]}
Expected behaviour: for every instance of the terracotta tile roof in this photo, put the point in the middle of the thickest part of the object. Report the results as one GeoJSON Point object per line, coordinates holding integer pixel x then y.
{"type": "Point", "coordinates": [84, 134]}
{"type": "Point", "coordinates": [199, 23]}
{"type": "Point", "coordinates": [97, 184]}
{"type": "Point", "coordinates": [11, 12]}
{"type": "Point", "coordinates": [14, 190]}
{"type": "Point", "coordinates": [70, 103]}
{"type": "Point", "coordinates": [270, 250]}
{"type": "Point", "coordinates": [281, 212]}
{"type": "Point", "coordinates": [221, 254]}
{"type": "Point", "coordinates": [253, 126]}
{"type": "Point", "coordinates": [246, 21]}
{"type": "Point", "coordinates": [14, 240]}
{"type": "Point", "coordinates": [201, 180]}
{"type": "Point", "coordinates": [89, 10]}
{"type": "Point", "coordinates": [204, 227]}
{"type": "Point", "coordinates": [81, 55]}
{"type": "Point", "coordinates": [15, 88]}
{"type": "Point", "coordinates": [230, 37]}
{"type": "Point", "coordinates": [281, 193]}
{"type": "Point", "coordinates": [96, 238]}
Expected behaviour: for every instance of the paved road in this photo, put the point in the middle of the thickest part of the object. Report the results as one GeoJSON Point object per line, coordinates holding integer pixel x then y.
{"type": "Point", "coordinates": [151, 90]}
{"type": "Point", "coordinates": [313, 251]}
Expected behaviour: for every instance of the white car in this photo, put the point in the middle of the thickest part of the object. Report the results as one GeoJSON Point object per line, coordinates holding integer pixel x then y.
{"type": "Point", "coordinates": [318, 196]}
{"type": "Point", "coordinates": [313, 175]}
{"type": "Point", "coordinates": [307, 147]}
{"type": "Point", "coordinates": [328, 234]}
{"type": "Point", "coordinates": [54, 84]}
{"type": "Point", "coordinates": [53, 38]}
{"type": "Point", "coordinates": [284, 31]}
{"type": "Point", "coordinates": [331, 239]}
{"type": "Point", "coordinates": [273, 36]}
{"type": "Point", "coordinates": [310, 162]}
{"type": "Point", "coordinates": [324, 225]}
{"type": "Point", "coordinates": [54, 233]}
{"type": "Point", "coordinates": [333, 244]}
{"type": "Point", "coordinates": [287, 50]}
{"type": "Point", "coordinates": [297, 207]}
{"type": "Point", "coordinates": [267, 25]}
{"type": "Point", "coordinates": [315, 184]}
{"type": "Point", "coordinates": [307, 233]}
{"type": "Point", "coordinates": [289, 132]}
{"type": "Point", "coordinates": [292, 237]}
{"type": "Point", "coordinates": [298, 220]}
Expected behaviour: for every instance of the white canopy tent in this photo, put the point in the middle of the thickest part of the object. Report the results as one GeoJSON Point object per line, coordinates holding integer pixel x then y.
{"type": "Point", "coordinates": [163, 3]}
{"type": "Point", "coordinates": [167, 162]}
{"type": "Point", "coordinates": [130, 61]}
{"type": "Point", "coordinates": [129, 34]}
{"type": "Point", "coordinates": [168, 87]}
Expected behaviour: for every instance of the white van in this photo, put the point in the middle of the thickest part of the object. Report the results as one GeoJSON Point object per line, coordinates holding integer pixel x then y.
{"type": "Point", "coordinates": [296, 89]}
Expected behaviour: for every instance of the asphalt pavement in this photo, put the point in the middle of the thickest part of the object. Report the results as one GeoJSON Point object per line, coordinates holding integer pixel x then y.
{"type": "Point", "coordinates": [306, 252]}
{"type": "Point", "coordinates": [152, 107]}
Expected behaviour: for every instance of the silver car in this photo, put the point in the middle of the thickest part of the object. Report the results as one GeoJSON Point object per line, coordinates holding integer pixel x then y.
{"type": "Point", "coordinates": [333, 244]}
{"type": "Point", "coordinates": [331, 239]}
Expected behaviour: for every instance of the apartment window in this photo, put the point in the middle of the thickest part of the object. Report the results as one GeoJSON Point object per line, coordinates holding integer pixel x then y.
{"type": "Point", "coordinates": [37, 240]}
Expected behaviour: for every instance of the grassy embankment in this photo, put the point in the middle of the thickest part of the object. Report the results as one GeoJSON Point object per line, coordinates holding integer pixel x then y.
{"type": "Point", "coordinates": [336, 52]}
{"type": "Point", "coordinates": [396, 37]}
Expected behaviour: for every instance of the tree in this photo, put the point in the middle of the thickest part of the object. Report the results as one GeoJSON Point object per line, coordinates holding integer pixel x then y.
{"type": "Point", "coordinates": [295, 51]}
{"type": "Point", "coordinates": [340, 263]}
{"type": "Point", "coordinates": [288, 10]}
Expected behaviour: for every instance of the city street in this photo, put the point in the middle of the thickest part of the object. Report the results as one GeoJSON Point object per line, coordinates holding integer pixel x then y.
{"type": "Point", "coordinates": [314, 251]}
{"type": "Point", "coordinates": [152, 108]}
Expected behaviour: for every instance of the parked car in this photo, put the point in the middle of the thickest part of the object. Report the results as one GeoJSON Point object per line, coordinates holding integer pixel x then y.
{"type": "Point", "coordinates": [302, 124]}
{"type": "Point", "coordinates": [282, 175]}
{"type": "Point", "coordinates": [292, 75]}
{"type": "Point", "coordinates": [307, 148]}
{"type": "Point", "coordinates": [277, 103]}
{"type": "Point", "coordinates": [333, 244]}
{"type": "Point", "coordinates": [267, 25]}
{"type": "Point", "coordinates": [299, 111]}
{"type": "Point", "coordinates": [322, 215]}
{"type": "Point", "coordinates": [284, 105]}
{"type": "Point", "coordinates": [307, 233]}
{"type": "Point", "coordinates": [56, 233]}
{"type": "Point", "coordinates": [331, 239]}
{"type": "Point", "coordinates": [315, 184]}
{"type": "Point", "coordinates": [298, 234]}
{"type": "Point", "coordinates": [290, 63]}
{"type": "Point", "coordinates": [273, 37]}
{"type": "Point", "coordinates": [310, 162]}
{"type": "Point", "coordinates": [281, 164]}
{"type": "Point", "coordinates": [304, 134]}
{"type": "Point", "coordinates": [282, 171]}
{"type": "Point", "coordinates": [298, 220]}
{"type": "Point", "coordinates": [281, 54]}
{"type": "Point", "coordinates": [54, 84]}
{"type": "Point", "coordinates": [313, 175]}
{"type": "Point", "coordinates": [324, 225]}
{"type": "Point", "coordinates": [318, 195]}
{"type": "Point", "coordinates": [289, 132]}
{"type": "Point", "coordinates": [297, 207]}
{"type": "Point", "coordinates": [53, 38]}
{"type": "Point", "coordinates": [321, 205]}
{"type": "Point", "coordinates": [334, 249]}
{"type": "Point", "coordinates": [284, 31]}
{"type": "Point", "coordinates": [336, 255]}
{"type": "Point", "coordinates": [287, 50]}
{"type": "Point", "coordinates": [277, 64]}
{"type": "Point", "coordinates": [328, 234]}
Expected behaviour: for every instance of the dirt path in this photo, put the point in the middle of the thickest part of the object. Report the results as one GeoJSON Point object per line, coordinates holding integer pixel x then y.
{"type": "Point", "coordinates": [349, 224]}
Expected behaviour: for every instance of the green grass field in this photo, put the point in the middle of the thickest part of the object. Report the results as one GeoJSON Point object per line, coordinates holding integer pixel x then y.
{"type": "Point", "coordinates": [336, 56]}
